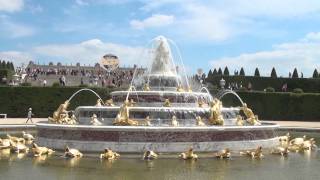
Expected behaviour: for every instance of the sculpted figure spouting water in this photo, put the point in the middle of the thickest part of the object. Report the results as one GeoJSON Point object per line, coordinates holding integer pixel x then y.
{"type": "Point", "coordinates": [61, 116]}
{"type": "Point", "coordinates": [251, 118]}
{"type": "Point", "coordinates": [216, 117]}
{"type": "Point", "coordinates": [122, 118]}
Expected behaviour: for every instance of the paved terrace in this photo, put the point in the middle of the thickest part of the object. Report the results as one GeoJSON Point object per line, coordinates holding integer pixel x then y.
{"type": "Point", "coordinates": [287, 124]}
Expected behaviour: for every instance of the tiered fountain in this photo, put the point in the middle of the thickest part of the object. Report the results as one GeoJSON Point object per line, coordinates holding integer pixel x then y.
{"type": "Point", "coordinates": [161, 112]}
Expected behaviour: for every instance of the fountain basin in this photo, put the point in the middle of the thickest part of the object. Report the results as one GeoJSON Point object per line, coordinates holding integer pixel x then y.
{"type": "Point", "coordinates": [136, 139]}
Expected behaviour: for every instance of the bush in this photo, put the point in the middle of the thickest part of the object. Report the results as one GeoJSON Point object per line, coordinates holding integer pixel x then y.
{"type": "Point", "coordinates": [56, 84]}
{"type": "Point", "coordinates": [83, 85]}
{"type": "Point", "coordinates": [270, 89]}
{"type": "Point", "coordinates": [297, 90]}
{"type": "Point", "coordinates": [25, 84]}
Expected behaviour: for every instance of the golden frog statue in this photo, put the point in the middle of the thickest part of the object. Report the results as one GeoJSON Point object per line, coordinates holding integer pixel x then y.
{"type": "Point", "coordinates": [224, 154]}
{"type": "Point", "coordinates": [180, 88]}
{"type": "Point", "coordinates": [146, 87]}
{"type": "Point", "coordinates": [109, 102]}
{"type": "Point", "coordinates": [251, 118]}
{"type": "Point", "coordinates": [167, 103]}
{"type": "Point", "coordinates": [239, 121]}
{"type": "Point", "coordinates": [109, 154]}
{"type": "Point", "coordinates": [99, 103]}
{"type": "Point", "coordinates": [149, 155]}
{"type": "Point", "coordinates": [254, 154]}
{"type": "Point", "coordinates": [94, 120]}
{"type": "Point", "coordinates": [61, 114]}
{"type": "Point", "coordinates": [188, 155]}
{"type": "Point", "coordinates": [216, 117]}
{"type": "Point", "coordinates": [199, 121]}
{"type": "Point", "coordinates": [122, 118]}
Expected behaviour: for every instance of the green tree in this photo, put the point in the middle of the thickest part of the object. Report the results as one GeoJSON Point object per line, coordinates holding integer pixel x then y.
{"type": "Point", "coordinates": [226, 71]}
{"type": "Point", "coordinates": [315, 73]}
{"type": "Point", "coordinates": [257, 73]}
{"type": "Point", "coordinates": [215, 72]}
{"type": "Point", "coordinates": [210, 74]}
{"type": "Point", "coordinates": [242, 72]}
{"type": "Point", "coordinates": [3, 64]}
{"type": "Point", "coordinates": [219, 71]}
{"type": "Point", "coordinates": [273, 73]}
{"type": "Point", "coordinates": [8, 65]}
{"type": "Point", "coordinates": [295, 73]}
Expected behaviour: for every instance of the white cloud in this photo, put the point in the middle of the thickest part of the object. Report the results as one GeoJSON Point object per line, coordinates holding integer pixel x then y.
{"type": "Point", "coordinates": [156, 20]}
{"type": "Point", "coordinates": [11, 5]}
{"type": "Point", "coordinates": [13, 29]}
{"type": "Point", "coordinates": [89, 52]}
{"type": "Point", "coordinates": [17, 57]}
{"type": "Point", "coordinates": [303, 54]}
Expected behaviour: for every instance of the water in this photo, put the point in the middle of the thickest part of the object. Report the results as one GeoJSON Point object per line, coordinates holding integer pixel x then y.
{"type": "Point", "coordinates": [295, 166]}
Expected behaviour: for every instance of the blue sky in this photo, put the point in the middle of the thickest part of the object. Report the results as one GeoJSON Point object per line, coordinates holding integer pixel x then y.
{"type": "Point", "coordinates": [234, 33]}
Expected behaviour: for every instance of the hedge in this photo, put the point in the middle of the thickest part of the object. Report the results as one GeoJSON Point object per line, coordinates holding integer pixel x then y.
{"type": "Point", "coordinates": [15, 101]}
{"type": "Point", "coordinates": [280, 106]}
{"type": "Point", "coordinates": [260, 83]}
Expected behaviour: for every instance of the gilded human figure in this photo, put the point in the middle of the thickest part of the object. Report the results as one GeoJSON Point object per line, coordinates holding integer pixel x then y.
{"type": "Point", "coordinates": [251, 118]}
{"type": "Point", "coordinates": [122, 118]}
{"type": "Point", "coordinates": [216, 117]}
{"type": "Point", "coordinates": [61, 114]}
{"type": "Point", "coordinates": [109, 102]}
{"type": "Point", "coordinates": [167, 103]}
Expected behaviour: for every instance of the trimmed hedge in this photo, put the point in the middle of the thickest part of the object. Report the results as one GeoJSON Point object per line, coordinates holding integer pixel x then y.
{"type": "Point", "coordinates": [309, 85]}
{"type": "Point", "coordinates": [280, 106]}
{"type": "Point", "coordinates": [15, 101]}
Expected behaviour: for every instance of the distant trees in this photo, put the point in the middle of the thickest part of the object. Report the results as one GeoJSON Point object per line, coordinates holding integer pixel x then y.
{"type": "Point", "coordinates": [295, 73]}
{"type": "Point", "coordinates": [6, 65]}
{"type": "Point", "coordinates": [257, 73]}
{"type": "Point", "coordinates": [219, 71]}
{"type": "Point", "coordinates": [210, 73]}
{"type": "Point", "coordinates": [226, 71]}
{"type": "Point", "coordinates": [315, 73]}
{"type": "Point", "coordinates": [214, 72]}
{"type": "Point", "coordinates": [273, 73]}
{"type": "Point", "coordinates": [242, 72]}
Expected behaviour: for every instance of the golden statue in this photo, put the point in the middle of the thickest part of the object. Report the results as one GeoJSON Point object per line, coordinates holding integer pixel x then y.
{"type": "Point", "coordinates": [18, 147]}
{"type": "Point", "coordinates": [61, 114]}
{"type": "Point", "coordinates": [99, 103]}
{"type": "Point", "coordinates": [224, 154]}
{"type": "Point", "coordinates": [254, 154]}
{"type": "Point", "coordinates": [4, 143]}
{"type": "Point", "coordinates": [180, 88]}
{"type": "Point", "coordinates": [283, 151]}
{"type": "Point", "coordinates": [122, 118]}
{"type": "Point", "coordinates": [149, 155]}
{"type": "Point", "coordinates": [38, 151]}
{"type": "Point", "coordinates": [297, 144]}
{"type": "Point", "coordinates": [132, 103]}
{"type": "Point", "coordinates": [71, 153]}
{"type": "Point", "coordinates": [284, 140]}
{"type": "Point", "coordinates": [27, 136]}
{"type": "Point", "coordinates": [239, 121]}
{"type": "Point", "coordinates": [199, 121]}
{"type": "Point", "coordinates": [109, 154]}
{"type": "Point", "coordinates": [146, 87]}
{"type": "Point", "coordinates": [147, 121]}
{"type": "Point", "coordinates": [251, 118]}
{"type": "Point", "coordinates": [174, 121]}
{"type": "Point", "coordinates": [167, 103]}
{"type": "Point", "coordinates": [216, 117]}
{"type": "Point", "coordinates": [188, 155]}
{"type": "Point", "coordinates": [109, 102]}
{"type": "Point", "coordinates": [309, 144]}
{"type": "Point", "coordinates": [94, 121]}
{"type": "Point", "coordinates": [200, 103]}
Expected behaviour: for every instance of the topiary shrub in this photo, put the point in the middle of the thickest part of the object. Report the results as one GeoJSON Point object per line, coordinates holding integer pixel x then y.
{"type": "Point", "coordinates": [270, 89]}
{"type": "Point", "coordinates": [297, 90]}
{"type": "Point", "coordinates": [83, 85]}
{"type": "Point", "coordinates": [56, 84]}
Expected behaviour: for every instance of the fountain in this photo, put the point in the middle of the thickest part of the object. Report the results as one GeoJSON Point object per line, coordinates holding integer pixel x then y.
{"type": "Point", "coordinates": [159, 112]}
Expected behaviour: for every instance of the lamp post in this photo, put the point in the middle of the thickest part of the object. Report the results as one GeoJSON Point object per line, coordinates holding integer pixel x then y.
{"type": "Point", "coordinates": [222, 83]}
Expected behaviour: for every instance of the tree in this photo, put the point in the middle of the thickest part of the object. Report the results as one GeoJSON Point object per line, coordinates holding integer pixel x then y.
{"type": "Point", "coordinates": [215, 72]}
{"type": "Point", "coordinates": [219, 71]}
{"type": "Point", "coordinates": [226, 71]}
{"type": "Point", "coordinates": [210, 74]}
{"type": "Point", "coordinates": [273, 73]}
{"type": "Point", "coordinates": [295, 73]}
{"type": "Point", "coordinates": [257, 73]}
{"type": "Point", "coordinates": [242, 72]}
{"type": "Point", "coordinates": [3, 64]}
{"type": "Point", "coordinates": [315, 73]}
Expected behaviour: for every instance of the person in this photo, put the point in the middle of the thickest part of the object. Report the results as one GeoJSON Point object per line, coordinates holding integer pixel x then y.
{"type": "Point", "coordinates": [29, 116]}
{"type": "Point", "coordinates": [44, 83]}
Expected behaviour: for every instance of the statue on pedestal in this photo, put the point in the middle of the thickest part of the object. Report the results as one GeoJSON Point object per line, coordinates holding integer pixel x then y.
{"type": "Point", "coordinates": [251, 118]}
{"type": "Point", "coordinates": [122, 118]}
{"type": "Point", "coordinates": [216, 117]}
